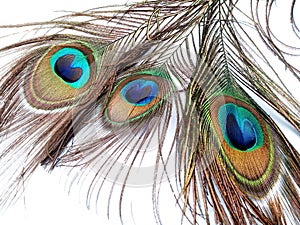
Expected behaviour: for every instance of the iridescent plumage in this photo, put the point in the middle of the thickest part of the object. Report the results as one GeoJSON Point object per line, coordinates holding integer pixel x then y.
{"type": "Point", "coordinates": [131, 74]}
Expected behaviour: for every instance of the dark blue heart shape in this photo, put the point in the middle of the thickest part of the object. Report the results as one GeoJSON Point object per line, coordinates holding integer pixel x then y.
{"type": "Point", "coordinates": [241, 138]}
{"type": "Point", "coordinates": [63, 68]}
{"type": "Point", "coordinates": [139, 94]}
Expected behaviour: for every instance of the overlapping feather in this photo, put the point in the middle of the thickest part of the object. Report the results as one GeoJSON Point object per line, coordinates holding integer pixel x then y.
{"type": "Point", "coordinates": [198, 52]}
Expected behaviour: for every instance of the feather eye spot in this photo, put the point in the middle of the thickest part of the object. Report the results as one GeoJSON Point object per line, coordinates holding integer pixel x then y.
{"type": "Point", "coordinates": [246, 144]}
{"type": "Point", "coordinates": [140, 92]}
{"type": "Point", "coordinates": [61, 76]}
{"type": "Point", "coordinates": [137, 95]}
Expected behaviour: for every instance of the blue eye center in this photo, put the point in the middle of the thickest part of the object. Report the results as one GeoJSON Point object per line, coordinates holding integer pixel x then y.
{"type": "Point", "coordinates": [240, 128]}
{"type": "Point", "coordinates": [242, 136]}
{"type": "Point", "coordinates": [72, 66]}
{"type": "Point", "coordinates": [63, 68]}
{"type": "Point", "coordinates": [139, 92]}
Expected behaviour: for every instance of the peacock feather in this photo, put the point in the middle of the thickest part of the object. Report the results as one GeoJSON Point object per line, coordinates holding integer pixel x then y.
{"type": "Point", "coordinates": [196, 80]}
